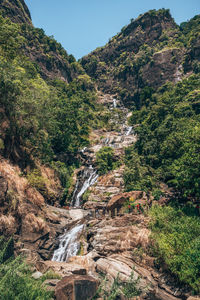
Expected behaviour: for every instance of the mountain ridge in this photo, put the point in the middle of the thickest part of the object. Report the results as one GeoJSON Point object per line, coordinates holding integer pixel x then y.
{"type": "Point", "coordinates": [16, 10]}
{"type": "Point", "coordinates": [150, 51]}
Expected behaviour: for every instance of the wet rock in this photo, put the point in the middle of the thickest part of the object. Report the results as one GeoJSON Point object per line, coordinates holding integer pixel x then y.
{"type": "Point", "coordinates": [76, 287]}
{"type": "Point", "coordinates": [77, 214]}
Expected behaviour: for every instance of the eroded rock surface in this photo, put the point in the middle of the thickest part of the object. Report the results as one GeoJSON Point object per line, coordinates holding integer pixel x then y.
{"type": "Point", "coordinates": [76, 287]}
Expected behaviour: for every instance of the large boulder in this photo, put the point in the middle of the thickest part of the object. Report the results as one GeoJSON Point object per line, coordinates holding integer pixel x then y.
{"type": "Point", "coordinates": [76, 287]}
{"type": "Point", "coordinates": [119, 200]}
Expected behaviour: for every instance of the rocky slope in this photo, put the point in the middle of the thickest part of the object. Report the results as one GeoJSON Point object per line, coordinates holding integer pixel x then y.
{"type": "Point", "coordinates": [115, 242]}
{"type": "Point", "coordinates": [148, 52]}
{"type": "Point", "coordinates": [50, 58]}
{"type": "Point", "coordinates": [16, 10]}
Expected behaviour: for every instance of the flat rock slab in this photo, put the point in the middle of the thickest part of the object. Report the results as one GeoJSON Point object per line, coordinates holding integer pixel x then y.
{"type": "Point", "coordinates": [77, 214]}
{"type": "Point", "coordinates": [61, 268]}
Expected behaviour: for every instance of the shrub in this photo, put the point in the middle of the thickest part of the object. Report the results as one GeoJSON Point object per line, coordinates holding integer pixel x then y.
{"type": "Point", "coordinates": [105, 160]}
{"type": "Point", "coordinates": [176, 233]}
{"type": "Point", "coordinates": [36, 180]}
{"type": "Point", "coordinates": [15, 277]}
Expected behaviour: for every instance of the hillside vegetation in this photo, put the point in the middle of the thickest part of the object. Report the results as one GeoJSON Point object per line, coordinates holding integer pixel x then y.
{"type": "Point", "coordinates": [48, 108]}
{"type": "Point", "coordinates": [150, 51]}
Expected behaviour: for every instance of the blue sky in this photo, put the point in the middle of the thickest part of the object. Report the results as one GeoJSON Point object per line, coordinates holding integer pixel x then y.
{"type": "Point", "coordinates": [83, 25]}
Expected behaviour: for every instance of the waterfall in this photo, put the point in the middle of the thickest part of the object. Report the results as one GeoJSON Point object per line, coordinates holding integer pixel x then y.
{"type": "Point", "coordinates": [129, 130]}
{"type": "Point", "coordinates": [69, 244]}
{"type": "Point", "coordinates": [88, 178]}
{"type": "Point", "coordinates": [106, 141]}
{"type": "Point", "coordinates": [114, 103]}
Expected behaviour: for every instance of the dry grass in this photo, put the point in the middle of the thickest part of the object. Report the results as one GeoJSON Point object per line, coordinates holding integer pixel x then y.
{"type": "Point", "coordinates": [35, 224]}
{"type": "Point", "coordinates": [35, 197]}
{"type": "Point", "coordinates": [7, 225]}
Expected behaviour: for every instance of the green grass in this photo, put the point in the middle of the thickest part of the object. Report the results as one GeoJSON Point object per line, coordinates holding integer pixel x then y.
{"type": "Point", "coordinates": [16, 282]}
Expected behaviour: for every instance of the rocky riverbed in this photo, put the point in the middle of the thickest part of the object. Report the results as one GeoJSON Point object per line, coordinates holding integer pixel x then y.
{"type": "Point", "coordinates": [102, 237]}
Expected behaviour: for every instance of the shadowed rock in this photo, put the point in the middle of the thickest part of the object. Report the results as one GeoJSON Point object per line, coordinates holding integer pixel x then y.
{"type": "Point", "coordinates": [76, 287]}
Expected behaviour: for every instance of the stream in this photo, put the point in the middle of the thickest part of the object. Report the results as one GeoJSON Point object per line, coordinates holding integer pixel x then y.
{"type": "Point", "coordinates": [69, 242]}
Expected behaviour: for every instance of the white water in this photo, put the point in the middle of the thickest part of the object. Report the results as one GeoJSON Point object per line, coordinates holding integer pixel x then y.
{"type": "Point", "coordinates": [114, 103]}
{"type": "Point", "coordinates": [129, 130]}
{"type": "Point", "coordinates": [106, 141]}
{"type": "Point", "coordinates": [69, 244]}
{"type": "Point", "coordinates": [91, 177]}
{"type": "Point", "coordinates": [83, 150]}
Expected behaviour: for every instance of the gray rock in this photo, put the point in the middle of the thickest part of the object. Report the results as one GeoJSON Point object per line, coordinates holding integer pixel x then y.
{"type": "Point", "coordinates": [37, 275]}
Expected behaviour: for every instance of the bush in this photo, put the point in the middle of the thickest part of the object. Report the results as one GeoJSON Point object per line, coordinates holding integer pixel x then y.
{"type": "Point", "coordinates": [36, 180]}
{"type": "Point", "coordinates": [105, 160]}
{"type": "Point", "coordinates": [176, 233]}
{"type": "Point", "coordinates": [15, 277]}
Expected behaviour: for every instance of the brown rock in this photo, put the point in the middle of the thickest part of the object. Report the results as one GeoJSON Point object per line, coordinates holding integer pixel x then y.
{"type": "Point", "coordinates": [76, 287]}
{"type": "Point", "coordinates": [61, 268]}
{"type": "Point", "coordinates": [194, 298]}
{"type": "Point", "coordinates": [50, 284]}
{"type": "Point", "coordinates": [163, 295]}
{"type": "Point", "coordinates": [119, 234]}
{"type": "Point", "coordinates": [94, 205]}
{"type": "Point", "coordinates": [118, 200]}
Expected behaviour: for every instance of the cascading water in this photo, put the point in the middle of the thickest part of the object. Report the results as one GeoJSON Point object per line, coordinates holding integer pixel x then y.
{"type": "Point", "coordinates": [88, 178]}
{"type": "Point", "coordinates": [129, 130]}
{"type": "Point", "coordinates": [114, 103]}
{"type": "Point", "coordinates": [69, 244]}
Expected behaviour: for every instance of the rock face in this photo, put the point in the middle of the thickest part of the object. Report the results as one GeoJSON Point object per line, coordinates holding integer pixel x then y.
{"type": "Point", "coordinates": [53, 62]}
{"type": "Point", "coordinates": [144, 56]}
{"type": "Point", "coordinates": [120, 247]}
{"type": "Point", "coordinates": [137, 57]}
{"type": "Point", "coordinates": [16, 10]}
{"type": "Point", "coordinates": [120, 234]}
{"type": "Point", "coordinates": [76, 287]}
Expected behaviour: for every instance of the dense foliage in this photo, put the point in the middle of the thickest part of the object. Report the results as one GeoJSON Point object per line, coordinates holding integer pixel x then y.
{"type": "Point", "coordinates": [15, 277]}
{"type": "Point", "coordinates": [147, 52]}
{"type": "Point", "coordinates": [176, 234]}
{"type": "Point", "coordinates": [45, 119]}
{"type": "Point", "coordinates": [167, 148]}
{"type": "Point", "coordinates": [105, 160]}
